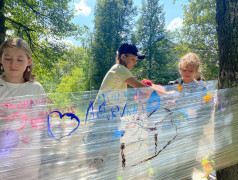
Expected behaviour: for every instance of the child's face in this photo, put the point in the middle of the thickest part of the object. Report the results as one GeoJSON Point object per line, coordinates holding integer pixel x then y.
{"type": "Point", "coordinates": [15, 62]}
{"type": "Point", "coordinates": [187, 74]}
{"type": "Point", "coordinates": [130, 60]}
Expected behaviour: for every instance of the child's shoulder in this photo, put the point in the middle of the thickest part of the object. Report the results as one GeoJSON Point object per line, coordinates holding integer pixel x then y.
{"type": "Point", "coordinates": [35, 86]}
{"type": "Point", "coordinates": [201, 83]}
{"type": "Point", "coordinates": [177, 81]}
{"type": "Point", "coordinates": [119, 68]}
{"type": "Point", "coordinates": [200, 86]}
{"type": "Point", "coordinates": [34, 83]}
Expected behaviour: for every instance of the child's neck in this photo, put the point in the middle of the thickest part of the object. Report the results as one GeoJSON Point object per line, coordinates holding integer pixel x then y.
{"type": "Point", "coordinates": [16, 80]}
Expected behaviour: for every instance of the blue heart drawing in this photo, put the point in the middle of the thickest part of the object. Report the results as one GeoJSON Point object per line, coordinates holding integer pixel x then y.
{"type": "Point", "coordinates": [72, 116]}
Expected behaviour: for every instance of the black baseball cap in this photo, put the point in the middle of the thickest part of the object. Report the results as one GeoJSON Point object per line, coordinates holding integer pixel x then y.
{"type": "Point", "coordinates": [130, 49]}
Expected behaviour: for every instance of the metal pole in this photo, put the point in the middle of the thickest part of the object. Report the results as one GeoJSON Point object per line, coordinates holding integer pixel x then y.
{"type": "Point", "coordinates": [91, 60]}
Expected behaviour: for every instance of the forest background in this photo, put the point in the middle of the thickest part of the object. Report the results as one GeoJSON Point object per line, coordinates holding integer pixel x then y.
{"type": "Point", "coordinates": [63, 68]}
{"type": "Point", "coordinates": [209, 29]}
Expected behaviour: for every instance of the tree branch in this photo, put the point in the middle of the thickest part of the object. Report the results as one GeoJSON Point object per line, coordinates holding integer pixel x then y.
{"type": "Point", "coordinates": [20, 24]}
{"type": "Point", "coordinates": [25, 29]}
{"type": "Point", "coordinates": [36, 12]}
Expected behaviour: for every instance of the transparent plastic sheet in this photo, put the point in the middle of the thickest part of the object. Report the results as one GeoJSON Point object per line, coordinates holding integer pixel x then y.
{"type": "Point", "coordinates": [21, 123]}
{"type": "Point", "coordinates": [121, 135]}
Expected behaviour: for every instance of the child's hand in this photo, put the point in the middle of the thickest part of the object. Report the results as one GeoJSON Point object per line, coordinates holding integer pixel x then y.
{"type": "Point", "coordinates": [170, 104]}
{"type": "Point", "coordinates": [172, 94]}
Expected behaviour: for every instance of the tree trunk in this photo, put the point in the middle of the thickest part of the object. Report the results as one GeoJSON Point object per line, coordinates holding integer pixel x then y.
{"type": "Point", "coordinates": [227, 33]}
{"type": "Point", "coordinates": [229, 173]}
{"type": "Point", "coordinates": [2, 23]}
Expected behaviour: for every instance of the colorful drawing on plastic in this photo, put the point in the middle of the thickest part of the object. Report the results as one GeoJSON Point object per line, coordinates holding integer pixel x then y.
{"type": "Point", "coordinates": [72, 117]}
{"type": "Point", "coordinates": [9, 141]}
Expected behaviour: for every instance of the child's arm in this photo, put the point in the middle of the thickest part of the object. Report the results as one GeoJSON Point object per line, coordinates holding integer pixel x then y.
{"type": "Point", "coordinates": [133, 82]}
{"type": "Point", "coordinates": [162, 92]}
{"type": "Point", "coordinates": [146, 89]}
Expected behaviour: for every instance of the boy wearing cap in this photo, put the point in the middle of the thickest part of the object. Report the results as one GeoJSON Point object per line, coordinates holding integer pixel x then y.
{"type": "Point", "coordinates": [119, 76]}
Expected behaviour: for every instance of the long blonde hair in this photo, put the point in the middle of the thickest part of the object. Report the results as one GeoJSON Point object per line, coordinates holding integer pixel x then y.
{"type": "Point", "coordinates": [20, 43]}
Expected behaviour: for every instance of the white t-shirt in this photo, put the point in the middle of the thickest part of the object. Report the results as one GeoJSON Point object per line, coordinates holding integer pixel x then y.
{"type": "Point", "coordinates": [24, 89]}
{"type": "Point", "coordinates": [21, 115]}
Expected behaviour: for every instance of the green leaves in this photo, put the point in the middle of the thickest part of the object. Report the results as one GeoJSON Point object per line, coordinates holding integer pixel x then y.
{"type": "Point", "coordinates": [155, 43]}
{"type": "Point", "coordinates": [198, 35]}
{"type": "Point", "coordinates": [38, 20]}
{"type": "Point", "coordinates": [113, 24]}
{"type": "Point", "coordinates": [69, 74]}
